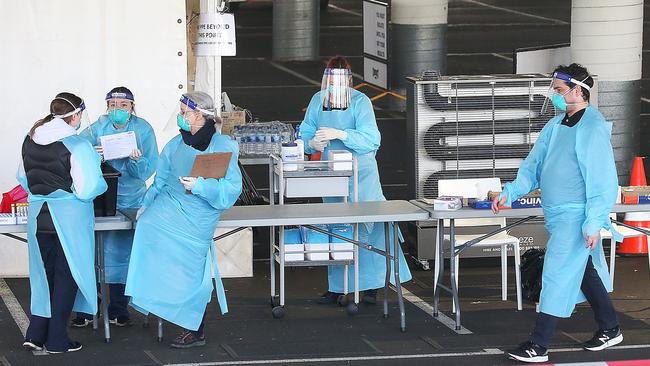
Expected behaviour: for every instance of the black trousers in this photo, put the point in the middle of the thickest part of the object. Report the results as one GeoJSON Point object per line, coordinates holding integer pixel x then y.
{"type": "Point", "coordinates": [117, 305]}
{"type": "Point", "coordinates": [63, 290]}
{"type": "Point", "coordinates": [597, 297]}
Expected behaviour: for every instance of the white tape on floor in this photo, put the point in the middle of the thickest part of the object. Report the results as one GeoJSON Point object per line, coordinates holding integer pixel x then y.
{"type": "Point", "coordinates": [12, 304]}
{"type": "Point", "coordinates": [428, 308]}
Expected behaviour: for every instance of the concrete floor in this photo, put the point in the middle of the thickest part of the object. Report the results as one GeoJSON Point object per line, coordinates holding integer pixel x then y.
{"type": "Point", "coordinates": [481, 38]}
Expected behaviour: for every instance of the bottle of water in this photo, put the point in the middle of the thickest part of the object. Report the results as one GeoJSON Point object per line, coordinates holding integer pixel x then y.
{"type": "Point", "coordinates": [258, 141]}
{"type": "Point", "coordinates": [268, 143]}
{"type": "Point", "coordinates": [276, 143]}
{"type": "Point", "coordinates": [285, 130]}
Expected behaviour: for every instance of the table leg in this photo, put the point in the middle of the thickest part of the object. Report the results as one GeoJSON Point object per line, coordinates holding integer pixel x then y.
{"type": "Point", "coordinates": [97, 246]}
{"type": "Point", "coordinates": [453, 270]}
{"type": "Point", "coordinates": [103, 286]}
{"type": "Point", "coordinates": [439, 266]}
{"type": "Point", "coordinates": [387, 255]}
{"type": "Point", "coordinates": [398, 284]}
{"type": "Point", "coordinates": [355, 256]}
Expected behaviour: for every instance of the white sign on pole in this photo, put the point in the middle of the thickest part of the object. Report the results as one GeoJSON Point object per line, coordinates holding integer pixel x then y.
{"type": "Point", "coordinates": [375, 29]}
{"type": "Point", "coordinates": [375, 72]}
{"type": "Point", "coordinates": [216, 35]}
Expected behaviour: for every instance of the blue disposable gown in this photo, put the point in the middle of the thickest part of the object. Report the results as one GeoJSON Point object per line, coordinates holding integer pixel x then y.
{"type": "Point", "coordinates": [574, 167]}
{"type": "Point", "coordinates": [131, 187]}
{"type": "Point", "coordinates": [169, 272]}
{"type": "Point", "coordinates": [74, 220]}
{"type": "Point", "coordinates": [363, 140]}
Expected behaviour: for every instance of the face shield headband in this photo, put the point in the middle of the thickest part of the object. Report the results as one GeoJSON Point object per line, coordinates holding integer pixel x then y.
{"type": "Point", "coordinates": [193, 106]}
{"type": "Point", "coordinates": [81, 108]}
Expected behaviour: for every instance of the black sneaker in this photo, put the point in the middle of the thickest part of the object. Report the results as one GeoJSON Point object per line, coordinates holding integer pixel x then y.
{"type": "Point", "coordinates": [369, 297]}
{"type": "Point", "coordinates": [72, 347]}
{"type": "Point", "coordinates": [187, 339]}
{"type": "Point", "coordinates": [604, 339]}
{"type": "Point", "coordinates": [121, 321]}
{"type": "Point", "coordinates": [80, 322]}
{"type": "Point", "coordinates": [329, 298]}
{"type": "Point", "coordinates": [32, 345]}
{"type": "Point", "coordinates": [529, 352]}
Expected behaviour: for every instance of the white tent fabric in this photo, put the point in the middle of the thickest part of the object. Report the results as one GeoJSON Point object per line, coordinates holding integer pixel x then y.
{"type": "Point", "coordinates": [84, 47]}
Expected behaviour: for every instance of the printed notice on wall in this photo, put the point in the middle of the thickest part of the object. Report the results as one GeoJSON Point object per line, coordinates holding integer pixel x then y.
{"type": "Point", "coordinates": [216, 35]}
{"type": "Point", "coordinates": [375, 29]}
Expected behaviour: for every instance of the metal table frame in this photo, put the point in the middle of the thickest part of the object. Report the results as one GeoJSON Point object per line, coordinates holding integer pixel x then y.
{"type": "Point", "coordinates": [108, 223]}
{"type": "Point", "coordinates": [525, 214]}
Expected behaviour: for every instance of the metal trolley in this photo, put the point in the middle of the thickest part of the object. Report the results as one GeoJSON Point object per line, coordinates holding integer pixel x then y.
{"type": "Point", "coordinates": [311, 179]}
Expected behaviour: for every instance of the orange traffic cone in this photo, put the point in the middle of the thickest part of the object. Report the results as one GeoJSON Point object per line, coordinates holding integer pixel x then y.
{"type": "Point", "coordinates": [639, 244]}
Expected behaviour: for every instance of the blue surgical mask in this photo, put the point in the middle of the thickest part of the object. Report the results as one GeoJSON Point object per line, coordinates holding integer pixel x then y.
{"type": "Point", "coordinates": [119, 116]}
{"type": "Point", "coordinates": [182, 123]}
{"type": "Point", "coordinates": [559, 102]}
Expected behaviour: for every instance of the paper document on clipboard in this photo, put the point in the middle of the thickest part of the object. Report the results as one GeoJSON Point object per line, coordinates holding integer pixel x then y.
{"type": "Point", "coordinates": [119, 145]}
{"type": "Point", "coordinates": [213, 165]}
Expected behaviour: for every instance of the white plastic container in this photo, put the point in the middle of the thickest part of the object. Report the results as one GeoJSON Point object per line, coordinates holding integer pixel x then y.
{"type": "Point", "coordinates": [346, 231]}
{"type": "Point", "coordinates": [293, 243]}
{"type": "Point", "coordinates": [315, 240]}
{"type": "Point", "coordinates": [289, 155]}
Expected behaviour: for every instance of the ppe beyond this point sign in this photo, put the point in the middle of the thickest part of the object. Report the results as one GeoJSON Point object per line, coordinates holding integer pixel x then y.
{"type": "Point", "coordinates": [216, 35]}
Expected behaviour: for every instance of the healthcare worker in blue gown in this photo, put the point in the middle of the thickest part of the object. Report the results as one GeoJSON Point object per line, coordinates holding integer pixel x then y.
{"type": "Point", "coordinates": [170, 269]}
{"type": "Point", "coordinates": [572, 162]}
{"type": "Point", "coordinates": [61, 172]}
{"type": "Point", "coordinates": [135, 169]}
{"type": "Point", "coordinates": [342, 118]}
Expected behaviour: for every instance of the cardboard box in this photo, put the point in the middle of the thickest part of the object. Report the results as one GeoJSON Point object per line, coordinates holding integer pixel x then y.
{"type": "Point", "coordinates": [231, 119]}
{"type": "Point", "coordinates": [635, 195]}
{"type": "Point", "coordinates": [346, 231]}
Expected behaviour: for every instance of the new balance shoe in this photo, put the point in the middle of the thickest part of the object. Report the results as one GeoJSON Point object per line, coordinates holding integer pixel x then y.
{"type": "Point", "coordinates": [32, 345]}
{"type": "Point", "coordinates": [529, 352]}
{"type": "Point", "coordinates": [604, 339]}
{"type": "Point", "coordinates": [188, 339]}
{"type": "Point", "coordinates": [72, 347]}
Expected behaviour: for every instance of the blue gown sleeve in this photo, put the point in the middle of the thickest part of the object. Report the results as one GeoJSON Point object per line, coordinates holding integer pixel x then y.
{"type": "Point", "coordinates": [528, 173]}
{"type": "Point", "coordinates": [222, 193]}
{"type": "Point", "coordinates": [365, 137]}
{"type": "Point", "coordinates": [146, 165]}
{"type": "Point", "coordinates": [162, 173]}
{"type": "Point", "coordinates": [309, 124]}
{"type": "Point", "coordinates": [22, 177]}
{"type": "Point", "coordinates": [87, 178]}
{"type": "Point", "coordinates": [596, 162]}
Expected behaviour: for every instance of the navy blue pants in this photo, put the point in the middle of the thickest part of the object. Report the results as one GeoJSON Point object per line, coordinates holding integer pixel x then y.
{"type": "Point", "coordinates": [597, 297]}
{"type": "Point", "coordinates": [63, 290]}
{"type": "Point", "coordinates": [117, 305]}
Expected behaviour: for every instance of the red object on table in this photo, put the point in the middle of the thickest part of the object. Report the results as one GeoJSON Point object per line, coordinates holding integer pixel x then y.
{"type": "Point", "coordinates": [638, 244]}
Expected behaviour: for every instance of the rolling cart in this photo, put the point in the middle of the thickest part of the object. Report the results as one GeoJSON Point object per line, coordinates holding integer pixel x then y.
{"type": "Point", "coordinates": [311, 179]}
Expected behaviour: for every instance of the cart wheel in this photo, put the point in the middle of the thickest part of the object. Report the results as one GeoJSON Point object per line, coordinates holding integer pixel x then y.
{"type": "Point", "coordinates": [278, 312]}
{"type": "Point", "coordinates": [343, 300]}
{"type": "Point", "coordinates": [352, 309]}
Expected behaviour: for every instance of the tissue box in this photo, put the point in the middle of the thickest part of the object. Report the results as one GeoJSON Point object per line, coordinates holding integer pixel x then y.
{"type": "Point", "coordinates": [346, 231]}
{"type": "Point", "coordinates": [447, 203]}
{"type": "Point", "coordinates": [7, 219]}
{"type": "Point", "coordinates": [336, 155]}
{"type": "Point", "coordinates": [635, 195]}
{"type": "Point", "coordinates": [314, 240]}
{"type": "Point", "coordinates": [293, 243]}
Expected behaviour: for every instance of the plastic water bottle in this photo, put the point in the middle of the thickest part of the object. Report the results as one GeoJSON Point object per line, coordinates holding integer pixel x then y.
{"type": "Point", "coordinates": [301, 146]}
{"type": "Point", "coordinates": [276, 142]}
{"type": "Point", "coordinates": [258, 141]}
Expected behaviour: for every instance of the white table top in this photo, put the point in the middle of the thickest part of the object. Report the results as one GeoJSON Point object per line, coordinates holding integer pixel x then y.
{"type": "Point", "coordinates": [117, 222]}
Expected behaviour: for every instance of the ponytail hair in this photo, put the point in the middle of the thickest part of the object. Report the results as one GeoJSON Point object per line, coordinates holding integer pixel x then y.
{"type": "Point", "coordinates": [62, 104]}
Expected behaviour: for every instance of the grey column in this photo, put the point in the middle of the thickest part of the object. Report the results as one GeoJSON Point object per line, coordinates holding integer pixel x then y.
{"type": "Point", "coordinates": [418, 41]}
{"type": "Point", "coordinates": [606, 37]}
{"type": "Point", "coordinates": [296, 28]}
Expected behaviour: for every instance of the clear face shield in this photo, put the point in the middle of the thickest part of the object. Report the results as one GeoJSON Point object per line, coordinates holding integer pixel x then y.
{"type": "Point", "coordinates": [336, 88]}
{"type": "Point", "coordinates": [555, 95]}
{"type": "Point", "coordinates": [184, 114]}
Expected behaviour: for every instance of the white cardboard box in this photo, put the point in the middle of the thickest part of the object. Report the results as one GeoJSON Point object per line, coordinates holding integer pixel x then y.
{"type": "Point", "coordinates": [343, 155]}
{"type": "Point", "coordinates": [294, 257]}
{"type": "Point", "coordinates": [342, 255]}
{"type": "Point", "coordinates": [318, 256]}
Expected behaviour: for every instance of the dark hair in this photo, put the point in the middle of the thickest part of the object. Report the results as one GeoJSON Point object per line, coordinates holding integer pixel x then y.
{"type": "Point", "coordinates": [580, 73]}
{"type": "Point", "coordinates": [338, 62]}
{"type": "Point", "coordinates": [61, 104]}
{"type": "Point", "coordinates": [125, 90]}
